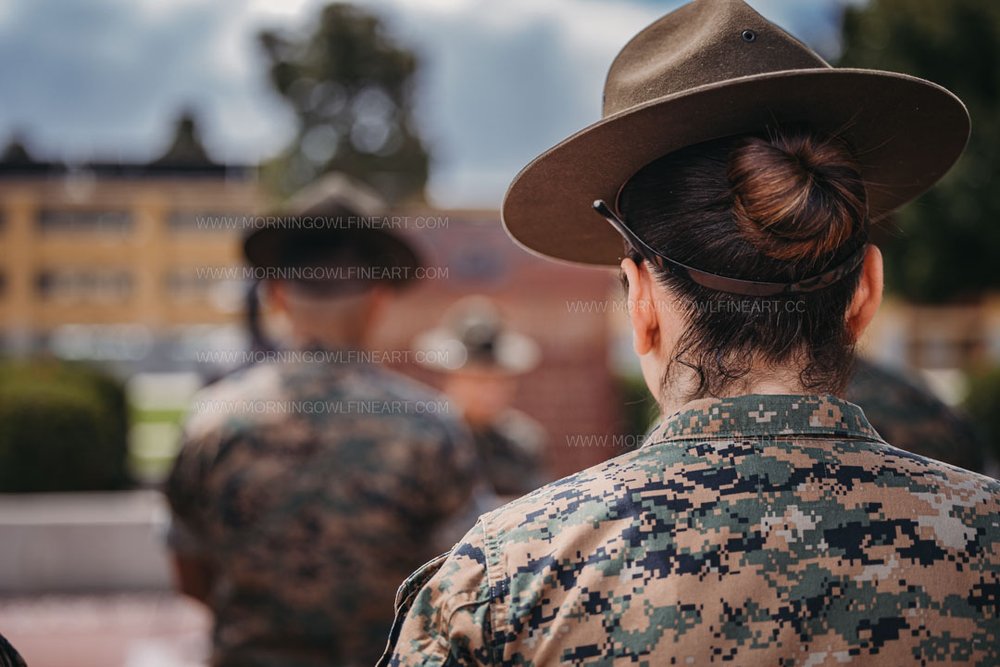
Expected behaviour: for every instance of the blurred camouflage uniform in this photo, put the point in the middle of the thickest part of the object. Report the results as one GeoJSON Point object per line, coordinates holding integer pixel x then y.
{"type": "Point", "coordinates": [757, 530]}
{"type": "Point", "coordinates": [912, 418]}
{"type": "Point", "coordinates": [314, 489]}
{"type": "Point", "coordinates": [511, 449]}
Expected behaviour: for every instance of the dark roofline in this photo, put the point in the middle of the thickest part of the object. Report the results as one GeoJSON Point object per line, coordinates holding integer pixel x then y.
{"type": "Point", "coordinates": [185, 157]}
{"type": "Point", "coordinates": [126, 171]}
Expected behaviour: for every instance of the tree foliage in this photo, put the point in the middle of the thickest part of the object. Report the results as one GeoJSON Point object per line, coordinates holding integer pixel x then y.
{"type": "Point", "coordinates": [350, 86]}
{"type": "Point", "coordinates": [946, 244]}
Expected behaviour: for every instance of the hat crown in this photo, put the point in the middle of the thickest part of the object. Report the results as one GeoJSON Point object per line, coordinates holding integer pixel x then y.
{"type": "Point", "coordinates": [701, 43]}
{"type": "Point", "coordinates": [476, 323]}
{"type": "Point", "coordinates": [335, 194]}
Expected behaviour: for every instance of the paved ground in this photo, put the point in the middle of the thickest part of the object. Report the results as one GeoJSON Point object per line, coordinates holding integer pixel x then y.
{"type": "Point", "coordinates": [120, 630]}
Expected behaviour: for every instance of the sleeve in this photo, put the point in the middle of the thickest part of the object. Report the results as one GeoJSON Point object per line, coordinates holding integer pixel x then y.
{"type": "Point", "coordinates": [458, 459]}
{"type": "Point", "coordinates": [185, 492]}
{"type": "Point", "coordinates": [443, 611]}
{"type": "Point", "coordinates": [183, 540]}
{"type": "Point", "coordinates": [452, 490]}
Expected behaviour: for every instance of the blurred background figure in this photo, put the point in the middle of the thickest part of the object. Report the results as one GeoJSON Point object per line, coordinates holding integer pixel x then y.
{"type": "Point", "coordinates": [309, 484]}
{"type": "Point", "coordinates": [911, 417]}
{"type": "Point", "coordinates": [482, 361]}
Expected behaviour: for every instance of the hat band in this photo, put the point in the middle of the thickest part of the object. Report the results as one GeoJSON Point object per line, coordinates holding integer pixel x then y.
{"type": "Point", "coordinates": [724, 283]}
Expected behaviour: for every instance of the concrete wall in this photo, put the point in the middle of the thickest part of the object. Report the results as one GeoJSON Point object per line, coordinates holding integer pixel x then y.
{"type": "Point", "coordinates": [76, 542]}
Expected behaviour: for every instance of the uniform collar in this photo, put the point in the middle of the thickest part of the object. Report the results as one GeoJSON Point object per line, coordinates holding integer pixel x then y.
{"type": "Point", "coordinates": [317, 361]}
{"type": "Point", "coordinates": [757, 415]}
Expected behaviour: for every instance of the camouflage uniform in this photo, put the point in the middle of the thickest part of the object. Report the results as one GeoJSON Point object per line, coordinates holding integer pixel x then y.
{"type": "Point", "coordinates": [511, 449]}
{"type": "Point", "coordinates": [756, 530]}
{"type": "Point", "coordinates": [912, 418]}
{"type": "Point", "coordinates": [314, 488]}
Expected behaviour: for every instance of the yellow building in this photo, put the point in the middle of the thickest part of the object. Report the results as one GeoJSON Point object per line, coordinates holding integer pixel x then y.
{"type": "Point", "coordinates": [120, 252]}
{"type": "Point", "coordinates": [108, 261]}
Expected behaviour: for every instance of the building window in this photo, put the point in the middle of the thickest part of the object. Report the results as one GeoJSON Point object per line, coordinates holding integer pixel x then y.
{"type": "Point", "coordinates": [208, 221]}
{"type": "Point", "coordinates": [190, 283]}
{"type": "Point", "coordinates": [88, 285]}
{"type": "Point", "coordinates": [222, 287]}
{"type": "Point", "coordinates": [68, 220]}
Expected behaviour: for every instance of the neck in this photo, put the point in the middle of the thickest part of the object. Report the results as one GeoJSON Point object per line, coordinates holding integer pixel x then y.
{"type": "Point", "coordinates": [771, 381]}
{"type": "Point", "coordinates": [327, 342]}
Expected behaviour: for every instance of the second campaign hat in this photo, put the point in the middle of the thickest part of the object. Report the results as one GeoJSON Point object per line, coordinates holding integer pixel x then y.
{"type": "Point", "coordinates": [474, 336]}
{"type": "Point", "coordinates": [333, 215]}
{"type": "Point", "coordinates": [717, 68]}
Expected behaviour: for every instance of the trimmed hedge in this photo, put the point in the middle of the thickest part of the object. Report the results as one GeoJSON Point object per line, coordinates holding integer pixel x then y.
{"type": "Point", "coordinates": [63, 427]}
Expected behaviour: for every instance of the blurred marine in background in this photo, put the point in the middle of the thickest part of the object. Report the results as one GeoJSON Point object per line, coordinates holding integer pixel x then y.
{"type": "Point", "coordinates": [482, 361]}
{"type": "Point", "coordinates": [911, 417]}
{"type": "Point", "coordinates": [310, 485]}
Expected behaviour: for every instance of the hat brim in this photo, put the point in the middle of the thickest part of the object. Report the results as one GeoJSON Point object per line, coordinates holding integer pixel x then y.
{"type": "Point", "coordinates": [440, 350]}
{"type": "Point", "coordinates": [275, 247]}
{"type": "Point", "coordinates": [907, 133]}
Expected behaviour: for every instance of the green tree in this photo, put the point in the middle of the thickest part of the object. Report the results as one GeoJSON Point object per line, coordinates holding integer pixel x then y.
{"type": "Point", "coordinates": [351, 87]}
{"type": "Point", "coordinates": [946, 244]}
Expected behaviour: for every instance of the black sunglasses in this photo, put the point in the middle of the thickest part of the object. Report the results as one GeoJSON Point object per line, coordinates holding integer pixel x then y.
{"type": "Point", "coordinates": [724, 283]}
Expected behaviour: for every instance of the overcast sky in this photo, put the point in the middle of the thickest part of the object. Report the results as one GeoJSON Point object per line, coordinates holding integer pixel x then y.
{"type": "Point", "coordinates": [501, 80]}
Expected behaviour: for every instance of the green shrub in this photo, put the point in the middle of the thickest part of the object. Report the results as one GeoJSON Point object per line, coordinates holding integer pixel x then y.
{"type": "Point", "coordinates": [63, 427]}
{"type": "Point", "coordinates": [983, 405]}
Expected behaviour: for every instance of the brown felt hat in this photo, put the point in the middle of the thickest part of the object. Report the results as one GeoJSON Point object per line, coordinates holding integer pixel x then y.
{"type": "Point", "coordinates": [334, 217]}
{"type": "Point", "coordinates": [717, 68]}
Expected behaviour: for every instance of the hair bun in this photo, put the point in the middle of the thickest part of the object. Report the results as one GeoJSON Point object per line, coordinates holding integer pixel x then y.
{"type": "Point", "coordinates": [797, 196]}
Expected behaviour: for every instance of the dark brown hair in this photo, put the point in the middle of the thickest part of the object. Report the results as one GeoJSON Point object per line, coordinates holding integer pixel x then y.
{"type": "Point", "coordinates": [779, 208]}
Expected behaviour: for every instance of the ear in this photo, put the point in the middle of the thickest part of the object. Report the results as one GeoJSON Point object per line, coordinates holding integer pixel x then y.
{"type": "Point", "coordinates": [641, 311]}
{"type": "Point", "coordinates": [378, 300]}
{"type": "Point", "coordinates": [868, 295]}
{"type": "Point", "coordinates": [277, 295]}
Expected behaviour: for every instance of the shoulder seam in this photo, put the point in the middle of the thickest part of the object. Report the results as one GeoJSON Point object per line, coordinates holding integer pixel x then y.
{"type": "Point", "coordinates": [493, 578]}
